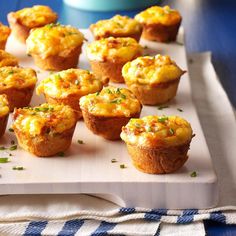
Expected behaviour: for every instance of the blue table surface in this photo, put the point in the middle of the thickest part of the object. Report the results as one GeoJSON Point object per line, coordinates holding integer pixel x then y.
{"type": "Point", "coordinates": [210, 25]}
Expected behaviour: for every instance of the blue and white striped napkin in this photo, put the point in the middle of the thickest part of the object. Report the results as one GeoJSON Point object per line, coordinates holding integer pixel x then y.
{"type": "Point", "coordinates": [68, 215]}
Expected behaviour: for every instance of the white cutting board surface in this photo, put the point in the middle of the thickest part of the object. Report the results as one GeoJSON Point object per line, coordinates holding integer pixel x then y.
{"type": "Point", "coordinates": [87, 168]}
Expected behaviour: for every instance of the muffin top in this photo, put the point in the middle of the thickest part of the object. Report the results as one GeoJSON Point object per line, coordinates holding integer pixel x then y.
{"type": "Point", "coordinates": [159, 15]}
{"type": "Point", "coordinates": [151, 70]}
{"type": "Point", "coordinates": [54, 39]}
{"type": "Point", "coordinates": [69, 82]}
{"type": "Point", "coordinates": [7, 59]}
{"type": "Point", "coordinates": [4, 108]}
{"type": "Point", "coordinates": [35, 16]}
{"type": "Point", "coordinates": [114, 49]}
{"type": "Point", "coordinates": [4, 32]}
{"type": "Point", "coordinates": [116, 26]}
{"type": "Point", "coordinates": [157, 131]}
{"type": "Point", "coordinates": [46, 119]}
{"type": "Point", "coordinates": [111, 102]}
{"type": "Point", "coordinates": [15, 77]}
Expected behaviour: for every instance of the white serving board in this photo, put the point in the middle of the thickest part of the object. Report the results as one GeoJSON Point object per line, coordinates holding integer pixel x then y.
{"type": "Point", "coordinates": [87, 168]}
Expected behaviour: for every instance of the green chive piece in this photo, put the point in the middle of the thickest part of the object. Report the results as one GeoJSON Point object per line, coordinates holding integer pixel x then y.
{"type": "Point", "coordinates": [162, 107]}
{"type": "Point", "coordinates": [12, 148]}
{"type": "Point", "coordinates": [18, 168]}
{"type": "Point", "coordinates": [11, 72]}
{"type": "Point", "coordinates": [3, 148]}
{"type": "Point", "coordinates": [171, 131]}
{"type": "Point", "coordinates": [193, 174]}
{"type": "Point", "coordinates": [97, 93]}
{"type": "Point", "coordinates": [11, 130]}
{"type": "Point", "coordinates": [118, 90]}
{"type": "Point", "coordinates": [61, 154]}
{"type": "Point", "coordinates": [80, 141]}
{"type": "Point", "coordinates": [117, 101]}
{"type": "Point", "coordinates": [162, 119]}
{"type": "Point", "coordinates": [149, 129]}
{"type": "Point", "coordinates": [77, 82]}
{"type": "Point", "coordinates": [4, 159]}
{"type": "Point", "coordinates": [113, 160]}
{"type": "Point", "coordinates": [123, 96]}
{"type": "Point", "coordinates": [122, 166]}
{"type": "Point", "coordinates": [180, 110]}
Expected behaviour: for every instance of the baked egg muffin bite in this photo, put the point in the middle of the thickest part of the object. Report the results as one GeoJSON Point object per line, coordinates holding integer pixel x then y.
{"type": "Point", "coordinates": [7, 59]}
{"type": "Point", "coordinates": [55, 46]}
{"type": "Point", "coordinates": [4, 32]}
{"type": "Point", "coordinates": [68, 86]}
{"type": "Point", "coordinates": [45, 130]}
{"type": "Point", "coordinates": [108, 55]}
{"type": "Point", "coordinates": [22, 21]}
{"type": "Point", "coordinates": [153, 80]}
{"type": "Point", "coordinates": [158, 144]}
{"type": "Point", "coordinates": [159, 23]}
{"type": "Point", "coordinates": [18, 84]}
{"type": "Point", "coordinates": [117, 26]}
{"type": "Point", "coordinates": [107, 111]}
{"type": "Point", "coordinates": [4, 112]}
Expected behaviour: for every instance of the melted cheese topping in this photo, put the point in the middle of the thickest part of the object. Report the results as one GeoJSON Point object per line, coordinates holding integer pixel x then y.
{"type": "Point", "coordinates": [7, 59]}
{"type": "Point", "coordinates": [157, 131]}
{"type": "Point", "coordinates": [14, 77]}
{"type": "Point", "coordinates": [111, 102]}
{"type": "Point", "coordinates": [159, 15]}
{"type": "Point", "coordinates": [67, 82]}
{"type": "Point", "coordinates": [117, 25]}
{"type": "Point", "coordinates": [4, 108]}
{"type": "Point", "coordinates": [54, 39]}
{"type": "Point", "coordinates": [151, 70]}
{"type": "Point", "coordinates": [35, 16]}
{"type": "Point", "coordinates": [114, 49]}
{"type": "Point", "coordinates": [46, 119]}
{"type": "Point", "coordinates": [4, 32]}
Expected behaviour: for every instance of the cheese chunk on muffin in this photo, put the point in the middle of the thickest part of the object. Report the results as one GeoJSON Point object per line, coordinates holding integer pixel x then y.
{"type": "Point", "coordinates": [55, 46]}
{"type": "Point", "coordinates": [7, 59]}
{"type": "Point", "coordinates": [159, 23]}
{"type": "Point", "coordinates": [4, 32]}
{"type": "Point", "coordinates": [154, 80]}
{"type": "Point", "coordinates": [107, 56]}
{"type": "Point", "coordinates": [18, 84]}
{"type": "Point", "coordinates": [44, 130]}
{"type": "Point", "coordinates": [117, 26]}
{"type": "Point", "coordinates": [22, 21]}
{"type": "Point", "coordinates": [68, 86]}
{"type": "Point", "coordinates": [4, 111]}
{"type": "Point", "coordinates": [158, 144]}
{"type": "Point", "coordinates": [107, 111]}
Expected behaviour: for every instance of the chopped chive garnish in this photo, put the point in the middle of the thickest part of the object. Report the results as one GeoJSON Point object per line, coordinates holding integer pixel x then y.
{"type": "Point", "coordinates": [77, 82]}
{"type": "Point", "coordinates": [180, 110]}
{"type": "Point", "coordinates": [18, 168]}
{"type": "Point", "coordinates": [12, 142]}
{"type": "Point", "coordinates": [61, 154]}
{"type": "Point", "coordinates": [162, 119]}
{"type": "Point", "coordinates": [109, 91]}
{"type": "Point", "coordinates": [162, 107]}
{"type": "Point", "coordinates": [3, 148]}
{"type": "Point", "coordinates": [11, 130]}
{"type": "Point", "coordinates": [193, 174]}
{"type": "Point", "coordinates": [12, 148]}
{"type": "Point", "coordinates": [122, 166]}
{"type": "Point", "coordinates": [118, 90]}
{"type": "Point", "coordinates": [171, 131]}
{"type": "Point", "coordinates": [113, 160]}
{"type": "Point", "coordinates": [80, 141]}
{"type": "Point", "coordinates": [123, 96]}
{"type": "Point", "coordinates": [11, 72]}
{"type": "Point", "coordinates": [97, 93]}
{"type": "Point", "coordinates": [117, 101]}
{"type": "Point", "coordinates": [4, 159]}
{"type": "Point", "coordinates": [149, 129]}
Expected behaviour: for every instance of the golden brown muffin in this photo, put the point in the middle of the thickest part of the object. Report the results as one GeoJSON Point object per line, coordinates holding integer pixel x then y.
{"type": "Point", "coordinates": [160, 23]}
{"type": "Point", "coordinates": [7, 59]}
{"type": "Point", "coordinates": [4, 32]}
{"type": "Point", "coordinates": [158, 144]}
{"type": "Point", "coordinates": [18, 84]}
{"type": "Point", "coordinates": [44, 130]}
{"type": "Point", "coordinates": [153, 80]}
{"type": "Point", "coordinates": [68, 86]}
{"type": "Point", "coordinates": [22, 21]}
{"type": "Point", "coordinates": [4, 112]}
{"type": "Point", "coordinates": [55, 46]}
{"type": "Point", "coordinates": [117, 26]}
{"type": "Point", "coordinates": [107, 111]}
{"type": "Point", "coordinates": [107, 56]}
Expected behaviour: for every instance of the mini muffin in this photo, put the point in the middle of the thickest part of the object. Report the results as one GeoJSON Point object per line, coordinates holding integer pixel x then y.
{"type": "Point", "coordinates": [7, 59]}
{"type": "Point", "coordinates": [4, 112]}
{"type": "Point", "coordinates": [117, 26]}
{"type": "Point", "coordinates": [68, 86]}
{"type": "Point", "coordinates": [158, 144]}
{"type": "Point", "coordinates": [18, 84]}
{"type": "Point", "coordinates": [153, 80]}
{"type": "Point", "coordinates": [160, 23]}
{"type": "Point", "coordinates": [22, 21]}
{"type": "Point", "coordinates": [4, 32]}
{"type": "Point", "coordinates": [55, 46]}
{"type": "Point", "coordinates": [107, 56]}
{"type": "Point", "coordinates": [44, 130]}
{"type": "Point", "coordinates": [107, 111]}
